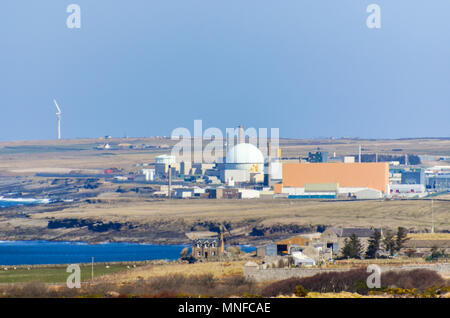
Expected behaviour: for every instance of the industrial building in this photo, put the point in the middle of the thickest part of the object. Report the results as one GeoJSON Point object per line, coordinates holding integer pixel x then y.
{"type": "Point", "coordinates": [354, 176]}
{"type": "Point", "coordinates": [439, 182]}
{"type": "Point", "coordinates": [414, 176]}
{"type": "Point", "coordinates": [438, 178]}
{"type": "Point", "coordinates": [162, 164]}
{"type": "Point", "coordinates": [244, 163]}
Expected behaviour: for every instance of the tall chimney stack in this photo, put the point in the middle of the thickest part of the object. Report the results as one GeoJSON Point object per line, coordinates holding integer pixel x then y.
{"type": "Point", "coordinates": [169, 193]}
{"type": "Point", "coordinates": [269, 165]}
{"type": "Point", "coordinates": [359, 154]}
{"type": "Point", "coordinates": [241, 134]}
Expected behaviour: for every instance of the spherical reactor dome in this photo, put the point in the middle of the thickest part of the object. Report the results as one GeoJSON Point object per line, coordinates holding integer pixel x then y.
{"type": "Point", "coordinates": [245, 157]}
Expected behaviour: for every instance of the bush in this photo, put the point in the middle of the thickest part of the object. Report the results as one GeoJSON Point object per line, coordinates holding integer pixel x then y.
{"type": "Point", "coordinates": [234, 250]}
{"type": "Point", "coordinates": [420, 279]}
{"type": "Point", "coordinates": [28, 290]}
{"type": "Point", "coordinates": [207, 280]}
{"type": "Point", "coordinates": [300, 291]}
{"type": "Point", "coordinates": [282, 287]}
{"type": "Point", "coordinates": [354, 281]}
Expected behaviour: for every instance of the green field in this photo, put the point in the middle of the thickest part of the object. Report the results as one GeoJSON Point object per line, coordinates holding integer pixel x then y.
{"type": "Point", "coordinates": [55, 274]}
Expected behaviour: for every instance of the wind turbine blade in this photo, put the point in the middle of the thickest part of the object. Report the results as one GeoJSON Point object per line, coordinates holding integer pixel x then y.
{"type": "Point", "coordinates": [56, 104]}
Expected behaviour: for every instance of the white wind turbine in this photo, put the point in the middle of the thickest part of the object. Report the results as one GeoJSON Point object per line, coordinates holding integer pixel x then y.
{"type": "Point", "coordinates": [58, 115]}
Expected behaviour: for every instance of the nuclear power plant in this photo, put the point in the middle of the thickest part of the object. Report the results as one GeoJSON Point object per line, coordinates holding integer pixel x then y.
{"type": "Point", "coordinates": [255, 171]}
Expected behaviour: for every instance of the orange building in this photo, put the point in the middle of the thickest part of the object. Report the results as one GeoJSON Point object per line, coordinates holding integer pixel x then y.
{"type": "Point", "coordinates": [347, 175]}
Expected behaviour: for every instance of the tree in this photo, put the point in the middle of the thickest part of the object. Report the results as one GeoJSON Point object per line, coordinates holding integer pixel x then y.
{"type": "Point", "coordinates": [352, 247]}
{"type": "Point", "coordinates": [401, 238]}
{"type": "Point", "coordinates": [389, 242]}
{"type": "Point", "coordinates": [374, 245]}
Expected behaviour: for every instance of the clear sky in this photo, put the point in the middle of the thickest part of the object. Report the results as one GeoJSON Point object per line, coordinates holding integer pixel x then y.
{"type": "Point", "coordinates": [145, 67]}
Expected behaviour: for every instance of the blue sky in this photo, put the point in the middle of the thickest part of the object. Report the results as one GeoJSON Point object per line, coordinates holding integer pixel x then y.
{"type": "Point", "coordinates": [145, 67]}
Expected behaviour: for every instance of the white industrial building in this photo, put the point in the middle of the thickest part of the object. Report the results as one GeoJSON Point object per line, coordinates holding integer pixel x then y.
{"type": "Point", "coordinates": [407, 190]}
{"type": "Point", "coordinates": [245, 157]}
{"type": "Point", "coordinates": [243, 163]}
{"type": "Point", "coordinates": [249, 194]}
{"type": "Point", "coordinates": [148, 174]}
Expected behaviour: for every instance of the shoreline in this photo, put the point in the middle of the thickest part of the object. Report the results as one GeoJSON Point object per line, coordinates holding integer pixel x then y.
{"type": "Point", "coordinates": [53, 254]}
{"type": "Point", "coordinates": [63, 265]}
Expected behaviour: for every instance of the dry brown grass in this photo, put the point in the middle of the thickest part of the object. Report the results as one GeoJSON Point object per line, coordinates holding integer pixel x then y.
{"type": "Point", "coordinates": [217, 269]}
{"type": "Point", "coordinates": [429, 236]}
{"type": "Point", "coordinates": [407, 213]}
{"type": "Point", "coordinates": [344, 295]}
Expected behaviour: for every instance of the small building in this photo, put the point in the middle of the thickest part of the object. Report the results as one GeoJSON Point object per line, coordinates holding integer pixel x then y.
{"type": "Point", "coordinates": [249, 194]}
{"type": "Point", "coordinates": [368, 194]}
{"type": "Point", "coordinates": [407, 189]}
{"type": "Point", "coordinates": [183, 193]}
{"type": "Point", "coordinates": [234, 175]}
{"type": "Point", "coordinates": [334, 238]}
{"type": "Point", "coordinates": [301, 259]}
{"type": "Point", "coordinates": [296, 243]}
{"type": "Point", "coordinates": [207, 248]}
{"type": "Point", "coordinates": [266, 250]}
{"type": "Point", "coordinates": [223, 193]}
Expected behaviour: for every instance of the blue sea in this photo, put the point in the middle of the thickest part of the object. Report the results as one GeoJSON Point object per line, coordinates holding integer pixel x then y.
{"type": "Point", "coordinates": [6, 202]}
{"type": "Point", "coordinates": [45, 252]}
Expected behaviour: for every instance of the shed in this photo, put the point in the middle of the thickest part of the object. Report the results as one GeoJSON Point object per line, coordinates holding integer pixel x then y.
{"type": "Point", "coordinates": [302, 259]}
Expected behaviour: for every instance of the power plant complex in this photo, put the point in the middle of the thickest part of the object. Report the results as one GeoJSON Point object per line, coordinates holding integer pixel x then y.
{"type": "Point", "coordinates": [248, 171]}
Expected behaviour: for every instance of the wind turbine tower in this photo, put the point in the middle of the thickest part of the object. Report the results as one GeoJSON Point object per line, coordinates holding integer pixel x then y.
{"type": "Point", "coordinates": [58, 116]}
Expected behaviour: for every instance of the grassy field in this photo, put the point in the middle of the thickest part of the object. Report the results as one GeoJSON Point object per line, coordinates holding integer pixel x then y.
{"type": "Point", "coordinates": [217, 269]}
{"type": "Point", "coordinates": [56, 274]}
{"type": "Point", "coordinates": [408, 213]}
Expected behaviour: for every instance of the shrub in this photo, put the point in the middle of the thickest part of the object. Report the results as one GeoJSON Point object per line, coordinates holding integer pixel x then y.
{"type": "Point", "coordinates": [336, 282]}
{"type": "Point", "coordinates": [184, 252]}
{"type": "Point", "coordinates": [207, 280]}
{"type": "Point", "coordinates": [420, 279]}
{"type": "Point", "coordinates": [300, 291]}
{"type": "Point", "coordinates": [28, 290]}
{"type": "Point", "coordinates": [234, 250]}
{"type": "Point", "coordinates": [282, 287]}
{"type": "Point", "coordinates": [355, 281]}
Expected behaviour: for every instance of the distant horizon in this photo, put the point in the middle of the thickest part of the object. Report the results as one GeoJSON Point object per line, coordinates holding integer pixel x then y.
{"type": "Point", "coordinates": [169, 138]}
